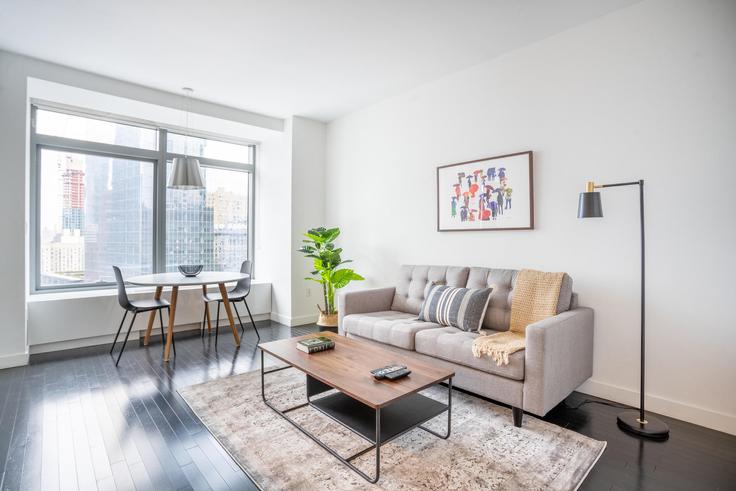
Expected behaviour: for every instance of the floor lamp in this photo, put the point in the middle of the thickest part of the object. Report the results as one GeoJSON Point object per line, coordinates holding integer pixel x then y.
{"type": "Point", "coordinates": [636, 422]}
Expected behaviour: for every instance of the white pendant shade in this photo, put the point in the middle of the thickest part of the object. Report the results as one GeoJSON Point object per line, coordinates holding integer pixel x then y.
{"type": "Point", "coordinates": [186, 174]}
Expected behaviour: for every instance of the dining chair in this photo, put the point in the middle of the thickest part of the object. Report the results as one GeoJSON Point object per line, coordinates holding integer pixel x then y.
{"type": "Point", "coordinates": [237, 294]}
{"type": "Point", "coordinates": [137, 307]}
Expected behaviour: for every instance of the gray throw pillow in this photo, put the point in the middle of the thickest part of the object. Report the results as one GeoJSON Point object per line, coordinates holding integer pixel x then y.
{"type": "Point", "coordinates": [463, 308]}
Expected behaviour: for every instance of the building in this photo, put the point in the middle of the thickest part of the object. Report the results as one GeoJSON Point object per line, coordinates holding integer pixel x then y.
{"type": "Point", "coordinates": [73, 196]}
{"type": "Point", "coordinates": [230, 224]}
{"type": "Point", "coordinates": [62, 261]}
{"type": "Point", "coordinates": [189, 226]}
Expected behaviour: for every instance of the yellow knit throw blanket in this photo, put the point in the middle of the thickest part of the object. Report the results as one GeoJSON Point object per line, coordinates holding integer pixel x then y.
{"type": "Point", "coordinates": [535, 298]}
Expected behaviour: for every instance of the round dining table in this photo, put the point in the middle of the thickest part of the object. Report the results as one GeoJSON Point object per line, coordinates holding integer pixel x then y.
{"type": "Point", "coordinates": [176, 280]}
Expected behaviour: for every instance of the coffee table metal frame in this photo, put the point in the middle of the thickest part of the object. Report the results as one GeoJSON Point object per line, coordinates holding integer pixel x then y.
{"type": "Point", "coordinates": [315, 386]}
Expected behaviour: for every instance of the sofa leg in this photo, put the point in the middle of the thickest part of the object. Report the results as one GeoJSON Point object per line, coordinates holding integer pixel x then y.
{"type": "Point", "coordinates": [518, 414]}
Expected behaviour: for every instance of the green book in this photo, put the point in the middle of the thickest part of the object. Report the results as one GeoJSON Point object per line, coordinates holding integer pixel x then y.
{"type": "Point", "coordinates": [312, 345]}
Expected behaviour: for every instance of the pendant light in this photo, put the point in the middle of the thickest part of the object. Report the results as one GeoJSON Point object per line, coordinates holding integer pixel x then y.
{"type": "Point", "coordinates": [185, 173]}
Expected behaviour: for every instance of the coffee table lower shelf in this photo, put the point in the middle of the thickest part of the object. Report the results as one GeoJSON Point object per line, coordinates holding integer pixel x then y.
{"type": "Point", "coordinates": [396, 419]}
{"type": "Point", "coordinates": [377, 426]}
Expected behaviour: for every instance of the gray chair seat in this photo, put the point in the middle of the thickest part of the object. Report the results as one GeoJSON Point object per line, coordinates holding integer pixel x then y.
{"type": "Point", "coordinates": [388, 327]}
{"type": "Point", "coordinates": [235, 294]}
{"type": "Point", "coordinates": [149, 304]}
{"type": "Point", "coordinates": [455, 345]}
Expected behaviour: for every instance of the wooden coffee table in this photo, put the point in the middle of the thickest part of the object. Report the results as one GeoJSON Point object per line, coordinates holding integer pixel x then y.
{"type": "Point", "coordinates": [377, 410]}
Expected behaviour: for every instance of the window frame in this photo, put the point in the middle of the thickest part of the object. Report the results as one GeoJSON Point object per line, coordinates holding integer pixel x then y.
{"type": "Point", "coordinates": [158, 158]}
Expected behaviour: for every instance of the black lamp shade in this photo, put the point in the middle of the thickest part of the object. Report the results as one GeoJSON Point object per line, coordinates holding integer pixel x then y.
{"type": "Point", "coordinates": [589, 205]}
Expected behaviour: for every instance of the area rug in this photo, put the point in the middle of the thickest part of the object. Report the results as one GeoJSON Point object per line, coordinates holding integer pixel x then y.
{"type": "Point", "coordinates": [484, 451]}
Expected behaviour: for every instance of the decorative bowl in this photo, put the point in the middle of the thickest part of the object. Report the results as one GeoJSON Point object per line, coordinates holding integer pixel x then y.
{"type": "Point", "coordinates": [190, 270]}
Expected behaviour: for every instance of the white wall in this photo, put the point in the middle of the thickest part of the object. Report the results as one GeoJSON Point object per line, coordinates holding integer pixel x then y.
{"type": "Point", "coordinates": [76, 320]}
{"type": "Point", "coordinates": [14, 142]}
{"type": "Point", "coordinates": [291, 194]}
{"type": "Point", "coordinates": [308, 211]}
{"type": "Point", "coordinates": [645, 92]}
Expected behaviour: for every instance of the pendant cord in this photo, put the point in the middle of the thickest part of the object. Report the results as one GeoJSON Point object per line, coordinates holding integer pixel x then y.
{"type": "Point", "coordinates": [187, 106]}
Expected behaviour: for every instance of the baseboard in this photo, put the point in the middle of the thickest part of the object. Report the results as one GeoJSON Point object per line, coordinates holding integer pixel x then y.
{"type": "Point", "coordinates": [72, 344]}
{"type": "Point", "coordinates": [693, 414]}
{"type": "Point", "coordinates": [298, 320]}
{"type": "Point", "coordinates": [14, 360]}
{"type": "Point", "coordinates": [244, 317]}
{"type": "Point", "coordinates": [97, 340]}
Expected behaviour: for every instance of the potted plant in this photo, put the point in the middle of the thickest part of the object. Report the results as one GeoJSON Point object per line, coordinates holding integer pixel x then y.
{"type": "Point", "coordinates": [319, 245]}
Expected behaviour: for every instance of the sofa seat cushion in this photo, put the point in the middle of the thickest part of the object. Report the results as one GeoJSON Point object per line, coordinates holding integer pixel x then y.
{"type": "Point", "coordinates": [455, 345]}
{"type": "Point", "coordinates": [389, 327]}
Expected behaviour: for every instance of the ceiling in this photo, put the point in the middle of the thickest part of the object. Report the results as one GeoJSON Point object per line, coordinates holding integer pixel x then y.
{"type": "Point", "coordinates": [315, 58]}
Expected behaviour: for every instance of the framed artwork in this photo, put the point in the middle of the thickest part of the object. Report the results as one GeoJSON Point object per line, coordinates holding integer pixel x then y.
{"type": "Point", "coordinates": [495, 193]}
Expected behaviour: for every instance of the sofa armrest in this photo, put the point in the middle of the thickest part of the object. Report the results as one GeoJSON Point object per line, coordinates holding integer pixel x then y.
{"type": "Point", "coordinates": [558, 358]}
{"type": "Point", "coordinates": [363, 301]}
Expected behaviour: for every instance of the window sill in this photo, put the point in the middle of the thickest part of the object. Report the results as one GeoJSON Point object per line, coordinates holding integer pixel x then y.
{"type": "Point", "coordinates": [50, 296]}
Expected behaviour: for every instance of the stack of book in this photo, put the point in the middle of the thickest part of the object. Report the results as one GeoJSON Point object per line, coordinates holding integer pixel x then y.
{"type": "Point", "coordinates": [313, 345]}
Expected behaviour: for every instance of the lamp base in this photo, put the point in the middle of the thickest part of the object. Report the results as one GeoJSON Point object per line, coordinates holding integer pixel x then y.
{"type": "Point", "coordinates": [650, 428]}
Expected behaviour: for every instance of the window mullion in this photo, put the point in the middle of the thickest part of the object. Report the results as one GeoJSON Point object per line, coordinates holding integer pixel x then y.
{"type": "Point", "coordinates": [94, 148]}
{"type": "Point", "coordinates": [160, 210]}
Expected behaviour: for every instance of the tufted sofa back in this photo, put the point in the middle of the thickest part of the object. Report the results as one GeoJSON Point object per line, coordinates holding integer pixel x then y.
{"type": "Point", "coordinates": [414, 281]}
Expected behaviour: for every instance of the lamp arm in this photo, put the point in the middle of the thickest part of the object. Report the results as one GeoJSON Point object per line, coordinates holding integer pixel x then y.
{"type": "Point", "coordinates": [632, 183]}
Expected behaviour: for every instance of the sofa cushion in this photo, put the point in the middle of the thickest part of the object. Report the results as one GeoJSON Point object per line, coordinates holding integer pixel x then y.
{"type": "Point", "coordinates": [388, 327]}
{"type": "Point", "coordinates": [411, 287]}
{"type": "Point", "coordinates": [457, 307]}
{"type": "Point", "coordinates": [451, 344]}
{"type": "Point", "coordinates": [498, 313]}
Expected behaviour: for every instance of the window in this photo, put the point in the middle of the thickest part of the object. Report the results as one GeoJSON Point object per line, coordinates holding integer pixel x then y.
{"type": "Point", "coordinates": [100, 199]}
{"type": "Point", "coordinates": [94, 211]}
{"type": "Point", "coordinates": [209, 226]}
{"type": "Point", "coordinates": [211, 149]}
{"type": "Point", "coordinates": [94, 130]}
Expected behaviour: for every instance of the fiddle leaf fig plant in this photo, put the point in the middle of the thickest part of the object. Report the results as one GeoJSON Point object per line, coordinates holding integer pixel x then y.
{"type": "Point", "coordinates": [319, 246]}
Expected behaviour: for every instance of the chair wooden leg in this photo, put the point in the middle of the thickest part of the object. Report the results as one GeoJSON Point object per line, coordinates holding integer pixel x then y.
{"type": "Point", "coordinates": [118, 333]}
{"type": "Point", "coordinates": [173, 338]}
{"type": "Point", "coordinates": [251, 319]}
{"type": "Point", "coordinates": [126, 338]}
{"type": "Point", "coordinates": [228, 310]}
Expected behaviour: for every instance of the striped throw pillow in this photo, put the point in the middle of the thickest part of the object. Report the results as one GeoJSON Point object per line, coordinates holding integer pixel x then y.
{"type": "Point", "coordinates": [463, 308]}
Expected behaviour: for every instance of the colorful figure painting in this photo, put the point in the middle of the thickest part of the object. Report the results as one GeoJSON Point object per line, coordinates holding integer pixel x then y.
{"type": "Point", "coordinates": [495, 193]}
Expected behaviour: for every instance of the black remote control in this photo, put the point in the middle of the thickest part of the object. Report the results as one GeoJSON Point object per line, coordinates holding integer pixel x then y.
{"type": "Point", "coordinates": [398, 374]}
{"type": "Point", "coordinates": [380, 373]}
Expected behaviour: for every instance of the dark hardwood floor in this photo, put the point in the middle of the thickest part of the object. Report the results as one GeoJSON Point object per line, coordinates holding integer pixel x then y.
{"type": "Point", "coordinates": [72, 420]}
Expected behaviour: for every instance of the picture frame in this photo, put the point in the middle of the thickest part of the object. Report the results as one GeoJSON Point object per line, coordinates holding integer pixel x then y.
{"type": "Point", "coordinates": [492, 193]}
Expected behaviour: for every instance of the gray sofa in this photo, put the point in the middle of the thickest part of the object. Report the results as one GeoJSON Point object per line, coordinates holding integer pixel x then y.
{"type": "Point", "coordinates": [559, 350]}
